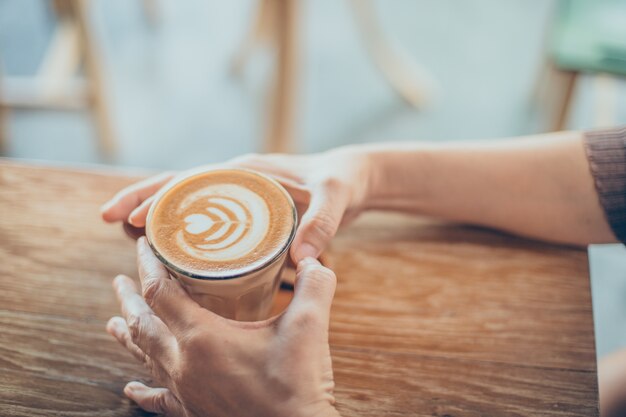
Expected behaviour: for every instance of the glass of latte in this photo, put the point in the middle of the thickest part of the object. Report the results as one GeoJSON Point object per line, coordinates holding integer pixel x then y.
{"type": "Point", "coordinates": [225, 235]}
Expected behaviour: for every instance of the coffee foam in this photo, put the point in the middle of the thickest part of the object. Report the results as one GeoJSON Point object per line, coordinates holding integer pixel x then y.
{"type": "Point", "coordinates": [221, 223]}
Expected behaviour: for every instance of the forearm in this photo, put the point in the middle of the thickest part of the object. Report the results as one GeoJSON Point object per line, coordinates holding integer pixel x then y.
{"type": "Point", "coordinates": [538, 186]}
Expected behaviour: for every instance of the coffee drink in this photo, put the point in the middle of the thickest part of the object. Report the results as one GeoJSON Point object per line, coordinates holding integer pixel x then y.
{"type": "Point", "coordinates": [221, 232]}
{"type": "Point", "coordinates": [222, 223]}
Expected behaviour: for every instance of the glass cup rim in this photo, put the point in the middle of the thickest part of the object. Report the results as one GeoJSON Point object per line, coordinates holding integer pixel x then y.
{"type": "Point", "coordinates": [183, 176]}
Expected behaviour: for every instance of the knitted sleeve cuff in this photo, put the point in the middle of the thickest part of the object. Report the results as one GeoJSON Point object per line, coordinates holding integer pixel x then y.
{"type": "Point", "coordinates": [606, 152]}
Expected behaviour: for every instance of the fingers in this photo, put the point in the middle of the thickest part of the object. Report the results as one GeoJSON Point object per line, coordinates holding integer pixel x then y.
{"type": "Point", "coordinates": [118, 328]}
{"type": "Point", "coordinates": [138, 216]}
{"type": "Point", "coordinates": [321, 220]}
{"type": "Point", "coordinates": [281, 168]}
{"type": "Point", "coordinates": [165, 296]}
{"type": "Point", "coordinates": [327, 200]}
{"type": "Point", "coordinates": [313, 292]}
{"type": "Point", "coordinates": [146, 330]}
{"type": "Point", "coordinates": [154, 400]}
{"type": "Point", "coordinates": [132, 231]}
{"type": "Point", "coordinates": [124, 202]}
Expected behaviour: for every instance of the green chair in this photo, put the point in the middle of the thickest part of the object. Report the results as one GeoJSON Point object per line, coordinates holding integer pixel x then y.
{"type": "Point", "coordinates": [588, 36]}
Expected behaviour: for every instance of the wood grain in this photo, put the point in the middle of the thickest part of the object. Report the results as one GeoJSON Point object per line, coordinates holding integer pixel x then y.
{"type": "Point", "coordinates": [461, 292]}
{"type": "Point", "coordinates": [429, 319]}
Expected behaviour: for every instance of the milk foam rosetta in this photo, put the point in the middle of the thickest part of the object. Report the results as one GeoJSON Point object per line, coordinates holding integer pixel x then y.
{"type": "Point", "coordinates": [221, 222]}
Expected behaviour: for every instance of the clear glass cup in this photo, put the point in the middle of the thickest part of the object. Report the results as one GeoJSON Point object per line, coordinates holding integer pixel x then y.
{"type": "Point", "coordinates": [247, 296]}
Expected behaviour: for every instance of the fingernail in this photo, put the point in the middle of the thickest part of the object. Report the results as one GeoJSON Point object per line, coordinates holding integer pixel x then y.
{"type": "Point", "coordinates": [309, 261]}
{"type": "Point", "coordinates": [117, 279]}
{"type": "Point", "coordinates": [132, 217]}
{"type": "Point", "coordinates": [306, 250]}
{"type": "Point", "coordinates": [110, 326]}
{"type": "Point", "coordinates": [113, 330]}
{"type": "Point", "coordinates": [129, 388]}
{"type": "Point", "coordinates": [106, 206]}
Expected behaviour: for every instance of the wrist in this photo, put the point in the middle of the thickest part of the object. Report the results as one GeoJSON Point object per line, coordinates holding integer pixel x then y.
{"type": "Point", "coordinates": [379, 181]}
{"type": "Point", "coordinates": [356, 168]}
{"type": "Point", "coordinates": [397, 176]}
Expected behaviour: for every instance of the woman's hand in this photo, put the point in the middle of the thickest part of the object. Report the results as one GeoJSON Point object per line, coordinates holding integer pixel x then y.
{"type": "Point", "coordinates": [328, 188]}
{"type": "Point", "coordinates": [211, 366]}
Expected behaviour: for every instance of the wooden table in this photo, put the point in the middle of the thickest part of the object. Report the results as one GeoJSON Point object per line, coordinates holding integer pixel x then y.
{"type": "Point", "coordinates": [429, 319]}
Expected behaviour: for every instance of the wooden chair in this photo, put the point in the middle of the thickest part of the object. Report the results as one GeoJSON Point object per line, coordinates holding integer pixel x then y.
{"type": "Point", "coordinates": [56, 85]}
{"type": "Point", "coordinates": [276, 24]}
{"type": "Point", "coordinates": [587, 37]}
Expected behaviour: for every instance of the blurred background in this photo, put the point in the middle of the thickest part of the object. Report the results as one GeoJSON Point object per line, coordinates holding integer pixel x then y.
{"type": "Point", "coordinates": [164, 84]}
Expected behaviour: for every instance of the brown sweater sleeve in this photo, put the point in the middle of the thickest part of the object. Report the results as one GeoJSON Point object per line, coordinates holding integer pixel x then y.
{"type": "Point", "coordinates": [606, 151]}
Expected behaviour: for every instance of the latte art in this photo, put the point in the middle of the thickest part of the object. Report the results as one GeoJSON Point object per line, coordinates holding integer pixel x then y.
{"type": "Point", "coordinates": [221, 223]}
{"type": "Point", "coordinates": [231, 226]}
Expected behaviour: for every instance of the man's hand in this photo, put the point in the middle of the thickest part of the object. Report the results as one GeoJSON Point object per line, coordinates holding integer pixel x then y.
{"type": "Point", "coordinates": [211, 366]}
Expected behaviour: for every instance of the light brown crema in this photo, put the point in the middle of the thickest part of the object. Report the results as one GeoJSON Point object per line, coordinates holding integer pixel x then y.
{"type": "Point", "coordinates": [206, 225]}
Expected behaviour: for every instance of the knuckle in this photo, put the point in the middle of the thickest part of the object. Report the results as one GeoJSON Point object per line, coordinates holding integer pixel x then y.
{"type": "Point", "coordinates": [333, 184]}
{"type": "Point", "coordinates": [152, 288]}
{"type": "Point", "coordinates": [159, 402]}
{"type": "Point", "coordinates": [319, 273]}
{"type": "Point", "coordinates": [321, 224]}
{"type": "Point", "coordinates": [307, 318]}
{"type": "Point", "coordinates": [136, 322]}
{"type": "Point", "coordinates": [148, 363]}
{"type": "Point", "coordinates": [319, 280]}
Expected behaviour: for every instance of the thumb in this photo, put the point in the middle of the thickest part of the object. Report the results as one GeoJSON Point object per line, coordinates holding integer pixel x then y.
{"type": "Point", "coordinates": [154, 400]}
{"type": "Point", "coordinates": [321, 220]}
{"type": "Point", "coordinates": [314, 290]}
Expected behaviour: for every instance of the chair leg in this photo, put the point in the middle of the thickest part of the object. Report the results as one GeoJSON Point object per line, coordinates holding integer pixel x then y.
{"type": "Point", "coordinates": [62, 8]}
{"type": "Point", "coordinates": [95, 83]}
{"type": "Point", "coordinates": [261, 30]}
{"type": "Point", "coordinates": [4, 140]}
{"type": "Point", "coordinates": [151, 11]}
{"type": "Point", "coordinates": [280, 132]}
{"type": "Point", "coordinates": [553, 96]}
{"type": "Point", "coordinates": [564, 104]}
{"type": "Point", "coordinates": [4, 133]}
{"type": "Point", "coordinates": [413, 83]}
